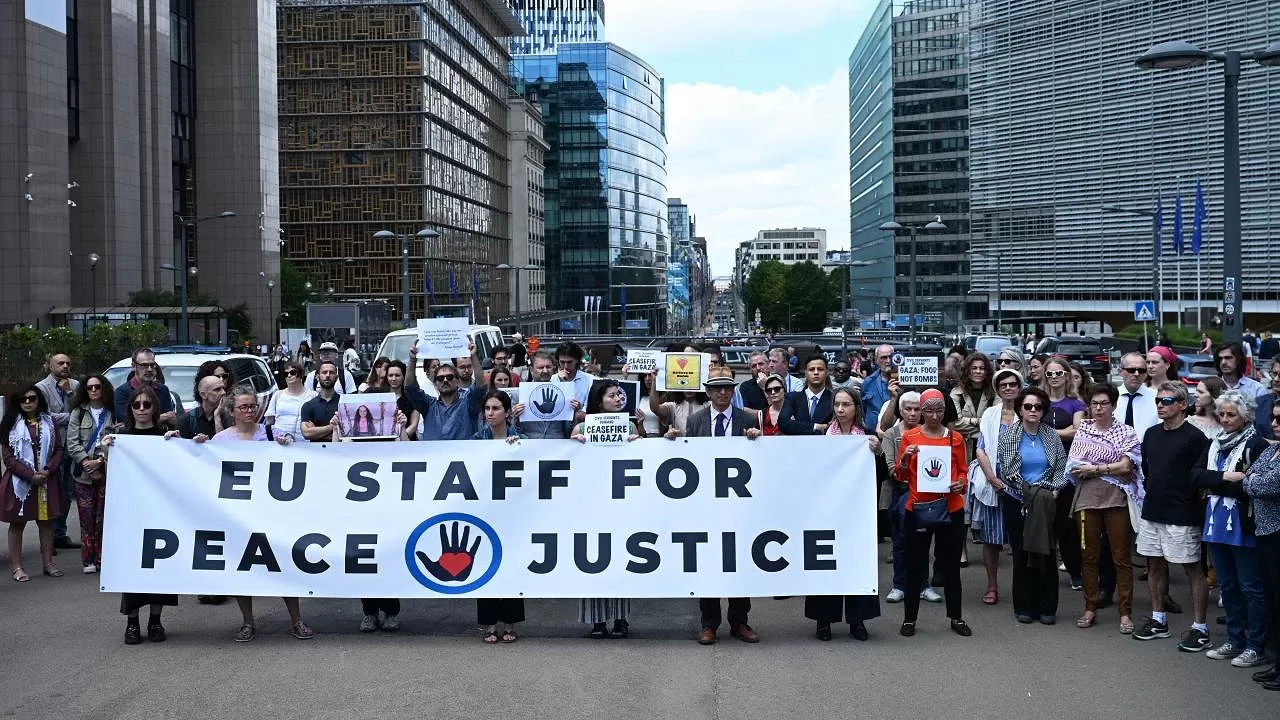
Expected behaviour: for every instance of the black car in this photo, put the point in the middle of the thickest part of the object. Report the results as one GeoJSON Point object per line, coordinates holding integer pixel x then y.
{"type": "Point", "coordinates": [1081, 349]}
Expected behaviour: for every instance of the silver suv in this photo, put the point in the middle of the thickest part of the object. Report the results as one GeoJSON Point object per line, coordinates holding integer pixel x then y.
{"type": "Point", "coordinates": [179, 372]}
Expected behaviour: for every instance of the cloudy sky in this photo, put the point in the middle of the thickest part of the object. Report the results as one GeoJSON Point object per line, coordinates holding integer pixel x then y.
{"type": "Point", "coordinates": [757, 118]}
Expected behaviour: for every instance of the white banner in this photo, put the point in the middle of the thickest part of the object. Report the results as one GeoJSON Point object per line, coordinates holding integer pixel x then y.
{"type": "Point", "coordinates": [697, 517]}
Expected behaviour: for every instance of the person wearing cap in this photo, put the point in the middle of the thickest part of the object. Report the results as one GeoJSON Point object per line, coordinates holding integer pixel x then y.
{"type": "Point", "coordinates": [948, 536]}
{"type": "Point", "coordinates": [328, 351]}
{"type": "Point", "coordinates": [720, 419]}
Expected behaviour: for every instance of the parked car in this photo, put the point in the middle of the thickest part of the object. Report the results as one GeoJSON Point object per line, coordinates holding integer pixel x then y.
{"type": "Point", "coordinates": [396, 344]}
{"type": "Point", "coordinates": [1192, 368]}
{"type": "Point", "coordinates": [1081, 349]}
{"type": "Point", "coordinates": [989, 345]}
{"type": "Point", "coordinates": [178, 366]}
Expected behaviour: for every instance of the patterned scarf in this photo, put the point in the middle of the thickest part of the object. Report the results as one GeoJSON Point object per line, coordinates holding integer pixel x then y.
{"type": "Point", "coordinates": [1011, 458]}
{"type": "Point", "coordinates": [1227, 452]}
{"type": "Point", "coordinates": [21, 446]}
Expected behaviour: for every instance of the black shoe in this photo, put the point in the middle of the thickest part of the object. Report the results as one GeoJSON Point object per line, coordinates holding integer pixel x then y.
{"type": "Point", "coordinates": [859, 632]}
{"type": "Point", "coordinates": [1024, 619]}
{"type": "Point", "coordinates": [621, 629]}
{"type": "Point", "coordinates": [155, 633]}
{"type": "Point", "coordinates": [961, 628]}
{"type": "Point", "coordinates": [62, 542]}
{"type": "Point", "coordinates": [908, 629]}
{"type": "Point", "coordinates": [599, 631]}
{"type": "Point", "coordinates": [824, 631]}
{"type": "Point", "coordinates": [1077, 584]}
{"type": "Point", "coordinates": [1048, 619]}
{"type": "Point", "coordinates": [132, 635]}
{"type": "Point", "coordinates": [1271, 674]}
{"type": "Point", "coordinates": [1273, 685]}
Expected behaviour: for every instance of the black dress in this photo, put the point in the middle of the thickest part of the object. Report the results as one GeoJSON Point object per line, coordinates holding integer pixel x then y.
{"type": "Point", "coordinates": [132, 602]}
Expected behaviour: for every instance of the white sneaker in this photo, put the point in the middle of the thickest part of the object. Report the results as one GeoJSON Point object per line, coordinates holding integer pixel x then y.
{"type": "Point", "coordinates": [90, 569]}
{"type": "Point", "coordinates": [1219, 600]}
{"type": "Point", "coordinates": [1225, 651]}
{"type": "Point", "coordinates": [1247, 659]}
{"type": "Point", "coordinates": [895, 596]}
{"type": "Point", "coordinates": [930, 595]}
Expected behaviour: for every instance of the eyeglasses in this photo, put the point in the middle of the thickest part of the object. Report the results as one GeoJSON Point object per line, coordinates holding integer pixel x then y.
{"type": "Point", "coordinates": [1134, 370]}
{"type": "Point", "coordinates": [1167, 401]}
{"type": "Point", "coordinates": [95, 386]}
{"type": "Point", "coordinates": [246, 408]}
{"type": "Point", "coordinates": [142, 405]}
{"type": "Point", "coordinates": [1032, 407]}
{"type": "Point", "coordinates": [1008, 361]}
{"type": "Point", "coordinates": [774, 389]}
{"type": "Point", "coordinates": [1275, 419]}
{"type": "Point", "coordinates": [1054, 373]}
{"type": "Point", "coordinates": [445, 378]}
{"type": "Point", "coordinates": [1014, 384]}
{"type": "Point", "coordinates": [222, 375]}
{"type": "Point", "coordinates": [145, 365]}
{"type": "Point", "coordinates": [30, 398]}
{"type": "Point", "coordinates": [291, 373]}
{"type": "Point", "coordinates": [1099, 403]}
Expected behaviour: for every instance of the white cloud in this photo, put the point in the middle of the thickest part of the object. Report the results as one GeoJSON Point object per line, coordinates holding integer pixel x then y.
{"type": "Point", "coordinates": [650, 26]}
{"type": "Point", "coordinates": [746, 161]}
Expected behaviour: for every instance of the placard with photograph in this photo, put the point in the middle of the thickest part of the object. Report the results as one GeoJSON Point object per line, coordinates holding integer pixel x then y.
{"type": "Point", "coordinates": [367, 416]}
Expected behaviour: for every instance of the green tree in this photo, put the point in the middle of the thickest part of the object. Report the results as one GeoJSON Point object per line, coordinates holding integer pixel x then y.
{"type": "Point", "coordinates": [765, 291]}
{"type": "Point", "coordinates": [811, 297]}
{"type": "Point", "coordinates": [294, 293]}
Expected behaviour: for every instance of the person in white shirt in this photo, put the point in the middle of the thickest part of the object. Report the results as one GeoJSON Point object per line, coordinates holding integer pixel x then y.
{"type": "Point", "coordinates": [328, 352]}
{"type": "Point", "coordinates": [569, 358]}
{"type": "Point", "coordinates": [284, 411]}
{"type": "Point", "coordinates": [778, 365]}
{"type": "Point", "coordinates": [1137, 405]}
{"type": "Point", "coordinates": [1231, 361]}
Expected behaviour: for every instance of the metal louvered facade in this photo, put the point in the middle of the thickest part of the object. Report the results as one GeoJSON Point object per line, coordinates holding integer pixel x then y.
{"type": "Point", "coordinates": [1062, 122]}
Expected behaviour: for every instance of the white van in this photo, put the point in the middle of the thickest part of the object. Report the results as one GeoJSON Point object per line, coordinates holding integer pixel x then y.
{"type": "Point", "coordinates": [397, 343]}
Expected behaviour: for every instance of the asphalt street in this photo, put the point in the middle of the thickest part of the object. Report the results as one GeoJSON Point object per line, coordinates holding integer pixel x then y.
{"type": "Point", "coordinates": [62, 656]}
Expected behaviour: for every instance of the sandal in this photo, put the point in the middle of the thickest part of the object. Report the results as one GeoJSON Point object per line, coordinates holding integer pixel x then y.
{"type": "Point", "coordinates": [20, 575]}
{"type": "Point", "coordinates": [52, 571]}
{"type": "Point", "coordinates": [1126, 626]}
{"type": "Point", "coordinates": [246, 633]}
{"type": "Point", "coordinates": [301, 631]}
{"type": "Point", "coordinates": [490, 638]}
{"type": "Point", "coordinates": [509, 636]}
{"type": "Point", "coordinates": [1087, 620]}
{"type": "Point", "coordinates": [992, 597]}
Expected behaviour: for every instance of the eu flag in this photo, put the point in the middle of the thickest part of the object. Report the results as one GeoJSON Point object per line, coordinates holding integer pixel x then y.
{"type": "Point", "coordinates": [431, 293]}
{"type": "Point", "coordinates": [1177, 224]}
{"type": "Point", "coordinates": [1197, 221]}
{"type": "Point", "coordinates": [453, 285]}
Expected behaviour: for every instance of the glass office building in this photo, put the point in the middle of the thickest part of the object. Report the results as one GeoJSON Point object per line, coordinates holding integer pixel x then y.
{"type": "Point", "coordinates": [606, 181]}
{"type": "Point", "coordinates": [551, 22]}
{"type": "Point", "coordinates": [1064, 123]}
{"type": "Point", "coordinates": [683, 228]}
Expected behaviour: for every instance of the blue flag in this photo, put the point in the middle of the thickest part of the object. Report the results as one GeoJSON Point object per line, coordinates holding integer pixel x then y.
{"type": "Point", "coordinates": [475, 285]}
{"type": "Point", "coordinates": [1177, 224]}
{"type": "Point", "coordinates": [1159, 222]}
{"type": "Point", "coordinates": [431, 293]}
{"type": "Point", "coordinates": [1197, 221]}
{"type": "Point", "coordinates": [453, 286]}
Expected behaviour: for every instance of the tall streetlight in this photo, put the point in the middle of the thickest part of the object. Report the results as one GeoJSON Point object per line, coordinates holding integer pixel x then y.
{"type": "Point", "coordinates": [915, 231]}
{"type": "Point", "coordinates": [844, 293]}
{"type": "Point", "coordinates": [518, 269]}
{"type": "Point", "coordinates": [93, 281]}
{"type": "Point", "coordinates": [423, 234]}
{"type": "Point", "coordinates": [1178, 55]}
{"type": "Point", "coordinates": [188, 226]}
{"type": "Point", "coordinates": [1155, 256]}
{"type": "Point", "coordinates": [999, 291]}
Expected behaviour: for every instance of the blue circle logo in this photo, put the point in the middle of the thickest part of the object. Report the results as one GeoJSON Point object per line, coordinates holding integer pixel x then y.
{"type": "Point", "coordinates": [448, 561]}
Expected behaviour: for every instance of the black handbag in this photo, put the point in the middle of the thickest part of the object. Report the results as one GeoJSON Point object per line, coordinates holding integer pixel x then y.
{"type": "Point", "coordinates": [931, 515]}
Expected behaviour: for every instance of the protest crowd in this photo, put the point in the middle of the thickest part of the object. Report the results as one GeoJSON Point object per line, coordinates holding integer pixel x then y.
{"type": "Point", "coordinates": [1054, 476]}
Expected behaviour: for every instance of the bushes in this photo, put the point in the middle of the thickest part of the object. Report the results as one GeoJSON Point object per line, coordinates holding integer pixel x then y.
{"type": "Point", "coordinates": [23, 349]}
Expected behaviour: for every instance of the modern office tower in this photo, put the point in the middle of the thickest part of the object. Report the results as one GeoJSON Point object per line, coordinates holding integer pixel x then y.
{"type": "Point", "coordinates": [1064, 124]}
{"type": "Point", "coordinates": [527, 150]}
{"type": "Point", "coordinates": [683, 227]}
{"type": "Point", "coordinates": [606, 182]}
{"type": "Point", "coordinates": [126, 120]}
{"type": "Point", "coordinates": [393, 117]}
{"type": "Point", "coordinates": [552, 22]}
{"type": "Point", "coordinates": [908, 159]}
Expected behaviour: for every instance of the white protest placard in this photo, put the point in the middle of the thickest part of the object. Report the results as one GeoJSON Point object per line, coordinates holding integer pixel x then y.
{"type": "Point", "coordinates": [933, 469]}
{"type": "Point", "coordinates": [918, 371]}
{"type": "Point", "coordinates": [683, 372]}
{"type": "Point", "coordinates": [698, 517]}
{"type": "Point", "coordinates": [442, 338]}
{"type": "Point", "coordinates": [546, 401]}
{"type": "Point", "coordinates": [643, 362]}
{"type": "Point", "coordinates": [607, 428]}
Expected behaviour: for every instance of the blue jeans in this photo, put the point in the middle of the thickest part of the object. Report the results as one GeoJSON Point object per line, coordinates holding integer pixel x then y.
{"type": "Point", "coordinates": [1240, 579]}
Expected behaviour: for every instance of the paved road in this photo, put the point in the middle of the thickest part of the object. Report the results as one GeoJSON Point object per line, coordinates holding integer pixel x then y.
{"type": "Point", "coordinates": [62, 656]}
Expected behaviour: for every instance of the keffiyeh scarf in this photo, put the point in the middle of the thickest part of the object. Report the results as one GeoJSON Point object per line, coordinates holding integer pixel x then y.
{"type": "Point", "coordinates": [1011, 459]}
{"type": "Point", "coordinates": [21, 446]}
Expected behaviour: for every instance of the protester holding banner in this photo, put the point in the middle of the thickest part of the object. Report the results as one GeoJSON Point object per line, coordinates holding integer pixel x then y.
{"type": "Point", "coordinates": [808, 412]}
{"type": "Point", "coordinates": [143, 418]}
{"type": "Point", "coordinates": [320, 414]}
{"type": "Point", "coordinates": [541, 366]}
{"type": "Point", "coordinates": [854, 609]}
{"type": "Point", "coordinates": [452, 415]}
{"type": "Point", "coordinates": [90, 421]}
{"type": "Point", "coordinates": [720, 419]}
{"type": "Point", "coordinates": [569, 360]}
{"type": "Point", "coordinates": [396, 372]}
{"type": "Point", "coordinates": [932, 459]}
{"type": "Point", "coordinates": [1032, 468]}
{"type": "Point", "coordinates": [674, 414]}
{"type": "Point", "coordinates": [32, 489]}
{"type": "Point", "coordinates": [606, 397]}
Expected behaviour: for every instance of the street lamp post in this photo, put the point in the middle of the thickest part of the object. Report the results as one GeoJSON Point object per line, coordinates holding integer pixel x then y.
{"type": "Point", "coordinates": [271, 312]}
{"type": "Point", "coordinates": [188, 226]}
{"type": "Point", "coordinates": [844, 294]}
{"type": "Point", "coordinates": [1178, 55]}
{"type": "Point", "coordinates": [915, 231]}
{"type": "Point", "coordinates": [93, 282]}
{"type": "Point", "coordinates": [423, 234]}
{"type": "Point", "coordinates": [517, 269]}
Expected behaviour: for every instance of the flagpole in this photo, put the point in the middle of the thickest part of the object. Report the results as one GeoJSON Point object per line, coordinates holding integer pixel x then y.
{"type": "Point", "coordinates": [1199, 295]}
{"type": "Point", "coordinates": [1178, 265]}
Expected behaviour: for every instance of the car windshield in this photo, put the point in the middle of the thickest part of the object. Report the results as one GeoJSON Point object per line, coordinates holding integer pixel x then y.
{"type": "Point", "coordinates": [992, 345]}
{"type": "Point", "coordinates": [1067, 347]}
{"type": "Point", "coordinates": [178, 378]}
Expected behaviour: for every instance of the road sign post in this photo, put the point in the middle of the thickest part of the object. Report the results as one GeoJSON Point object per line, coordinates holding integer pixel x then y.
{"type": "Point", "coordinates": [1144, 311]}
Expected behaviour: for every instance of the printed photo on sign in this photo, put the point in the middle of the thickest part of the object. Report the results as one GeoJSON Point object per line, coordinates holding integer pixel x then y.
{"type": "Point", "coordinates": [683, 372]}
{"type": "Point", "coordinates": [933, 469]}
{"type": "Point", "coordinates": [371, 415]}
{"type": "Point", "coordinates": [632, 389]}
{"type": "Point", "coordinates": [607, 428]}
{"type": "Point", "coordinates": [442, 338]}
{"type": "Point", "coordinates": [453, 553]}
{"type": "Point", "coordinates": [546, 401]}
{"type": "Point", "coordinates": [643, 361]}
{"type": "Point", "coordinates": [918, 372]}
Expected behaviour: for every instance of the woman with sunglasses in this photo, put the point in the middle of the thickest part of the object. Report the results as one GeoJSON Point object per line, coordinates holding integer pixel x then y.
{"type": "Point", "coordinates": [244, 405]}
{"type": "Point", "coordinates": [377, 380]}
{"type": "Point", "coordinates": [1065, 413]}
{"type": "Point", "coordinates": [846, 420]}
{"type": "Point", "coordinates": [1032, 465]}
{"type": "Point", "coordinates": [775, 394]}
{"type": "Point", "coordinates": [143, 418]}
{"type": "Point", "coordinates": [988, 493]}
{"type": "Point", "coordinates": [90, 421]}
{"type": "Point", "coordinates": [1105, 463]}
{"type": "Point", "coordinates": [498, 616]}
{"type": "Point", "coordinates": [284, 410]}
{"type": "Point", "coordinates": [32, 488]}
{"type": "Point", "coordinates": [1262, 484]}
{"type": "Point", "coordinates": [1011, 358]}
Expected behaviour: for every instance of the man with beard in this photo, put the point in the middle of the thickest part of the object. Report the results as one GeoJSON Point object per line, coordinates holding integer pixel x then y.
{"type": "Point", "coordinates": [540, 370]}
{"type": "Point", "coordinates": [320, 413]}
{"type": "Point", "coordinates": [343, 382]}
{"type": "Point", "coordinates": [146, 372]}
{"type": "Point", "coordinates": [58, 387]}
{"type": "Point", "coordinates": [452, 415]}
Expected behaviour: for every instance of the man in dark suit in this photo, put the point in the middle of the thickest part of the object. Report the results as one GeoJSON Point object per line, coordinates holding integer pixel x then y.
{"type": "Point", "coordinates": [720, 419]}
{"type": "Point", "coordinates": [808, 411]}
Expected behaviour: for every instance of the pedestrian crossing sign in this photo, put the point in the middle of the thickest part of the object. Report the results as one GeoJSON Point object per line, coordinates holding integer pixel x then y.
{"type": "Point", "coordinates": [1144, 311]}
